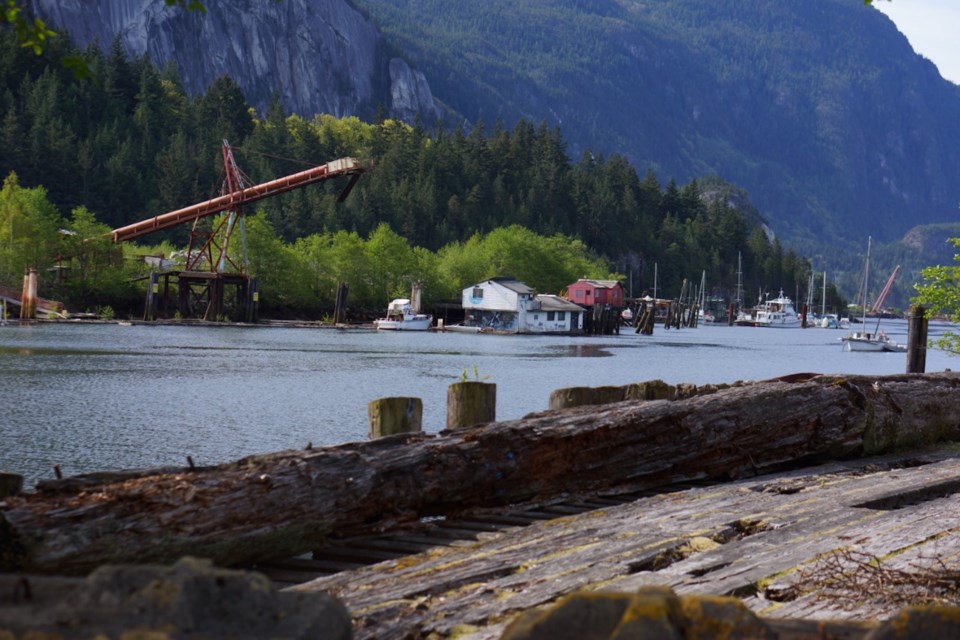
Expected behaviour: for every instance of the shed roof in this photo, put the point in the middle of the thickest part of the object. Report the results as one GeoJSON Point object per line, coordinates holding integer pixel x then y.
{"type": "Point", "coordinates": [514, 285]}
{"type": "Point", "coordinates": [601, 284]}
{"type": "Point", "coordinates": [549, 302]}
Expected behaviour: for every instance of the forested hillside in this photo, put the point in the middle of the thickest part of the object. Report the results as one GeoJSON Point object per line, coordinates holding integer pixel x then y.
{"type": "Point", "coordinates": [129, 144]}
{"type": "Point", "coordinates": [818, 108]}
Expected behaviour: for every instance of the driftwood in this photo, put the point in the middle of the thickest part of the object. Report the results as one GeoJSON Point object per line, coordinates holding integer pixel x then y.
{"type": "Point", "coordinates": [287, 503]}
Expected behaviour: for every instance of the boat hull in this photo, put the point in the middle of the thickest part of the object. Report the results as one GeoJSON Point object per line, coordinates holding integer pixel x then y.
{"type": "Point", "coordinates": [862, 344]}
{"type": "Point", "coordinates": [415, 324]}
{"type": "Point", "coordinates": [871, 342]}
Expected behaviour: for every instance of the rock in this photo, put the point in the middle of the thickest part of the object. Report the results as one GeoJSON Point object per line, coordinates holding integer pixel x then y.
{"type": "Point", "coordinates": [189, 599]}
{"type": "Point", "coordinates": [652, 612]}
{"type": "Point", "coordinates": [323, 56]}
{"type": "Point", "coordinates": [929, 623]}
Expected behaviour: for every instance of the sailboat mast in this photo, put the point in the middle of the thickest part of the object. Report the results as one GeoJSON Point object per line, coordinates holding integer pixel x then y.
{"type": "Point", "coordinates": [823, 298]}
{"type": "Point", "coordinates": [739, 283]}
{"type": "Point", "coordinates": [866, 281]}
{"type": "Point", "coordinates": [654, 280]}
{"type": "Point", "coordinates": [703, 289]}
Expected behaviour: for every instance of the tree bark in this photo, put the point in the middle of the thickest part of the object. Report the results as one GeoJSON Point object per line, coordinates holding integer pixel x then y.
{"type": "Point", "coordinates": [286, 503]}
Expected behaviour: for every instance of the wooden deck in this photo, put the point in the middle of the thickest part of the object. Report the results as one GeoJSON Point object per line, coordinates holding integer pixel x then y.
{"type": "Point", "coordinates": [774, 541]}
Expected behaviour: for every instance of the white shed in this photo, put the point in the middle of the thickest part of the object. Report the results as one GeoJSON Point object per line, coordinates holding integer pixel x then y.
{"type": "Point", "coordinates": [510, 306]}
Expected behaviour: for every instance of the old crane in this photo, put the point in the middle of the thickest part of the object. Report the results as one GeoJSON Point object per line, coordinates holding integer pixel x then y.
{"type": "Point", "coordinates": [212, 272]}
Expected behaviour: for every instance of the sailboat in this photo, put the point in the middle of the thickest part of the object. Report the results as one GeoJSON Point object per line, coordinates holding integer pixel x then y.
{"type": "Point", "coordinates": [704, 315]}
{"type": "Point", "coordinates": [878, 340]}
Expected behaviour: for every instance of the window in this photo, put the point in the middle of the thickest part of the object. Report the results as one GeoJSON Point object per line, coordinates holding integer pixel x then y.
{"type": "Point", "coordinates": [579, 293]}
{"type": "Point", "coordinates": [561, 315]}
{"type": "Point", "coordinates": [550, 315]}
{"type": "Point", "coordinates": [478, 292]}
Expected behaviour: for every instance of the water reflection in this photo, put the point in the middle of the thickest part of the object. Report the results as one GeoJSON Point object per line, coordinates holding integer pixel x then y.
{"type": "Point", "coordinates": [581, 351]}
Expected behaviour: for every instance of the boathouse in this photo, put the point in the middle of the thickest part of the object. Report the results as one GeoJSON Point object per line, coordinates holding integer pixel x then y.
{"type": "Point", "coordinates": [588, 293]}
{"type": "Point", "coordinates": [604, 302]}
{"type": "Point", "coordinates": [510, 306]}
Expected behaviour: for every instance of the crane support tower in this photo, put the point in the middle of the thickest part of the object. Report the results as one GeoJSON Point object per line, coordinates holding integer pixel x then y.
{"type": "Point", "coordinates": [212, 271]}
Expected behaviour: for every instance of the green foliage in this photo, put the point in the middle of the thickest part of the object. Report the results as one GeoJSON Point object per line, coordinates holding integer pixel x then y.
{"type": "Point", "coordinates": [106, 312]}
{"type": "Point", "coordinates": [446, 209]}
{"type": "Point", "coordinates": [476, 375]}
{"type": "Point", "coordinates": [939, 292]}
{"type": "Point", "coordinates": [28, 231]}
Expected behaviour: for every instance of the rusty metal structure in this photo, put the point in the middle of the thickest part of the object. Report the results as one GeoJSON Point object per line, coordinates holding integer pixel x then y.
{"type": "Point", "coordinates": [212, 271]}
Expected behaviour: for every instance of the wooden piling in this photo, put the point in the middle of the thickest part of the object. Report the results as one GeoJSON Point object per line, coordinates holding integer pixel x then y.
{"type": "Point", "coordinates": [340, 308]}
{"type": "Point", "coordinates": [916, 339]}
{"type": "Point", "coordinates": [253, 300]}
{"type": "Point", "coordinates": [471, 402]}
{"type": "Point", "coordinates": [153, 290]}
{"type": "Point", "coordinates": [390, 416]}
{"type": "Point", "coordinates": [28, 297]}
{"type": "Point", "coordinates": [580, 396]}
{"type": "Point", "coordinates": [10, 484]}
{"type": "Point", "coordinates": [650, 390]}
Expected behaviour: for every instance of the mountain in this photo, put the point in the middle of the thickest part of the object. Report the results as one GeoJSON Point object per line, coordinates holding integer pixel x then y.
{"type": "Point", "coordinates": [818, 109]}
{"type": "Point", "coordinates": [317, 56]}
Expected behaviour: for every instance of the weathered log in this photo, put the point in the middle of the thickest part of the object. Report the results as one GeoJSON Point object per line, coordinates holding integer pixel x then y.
{"type": "Point", "coordinates": [286, 503]}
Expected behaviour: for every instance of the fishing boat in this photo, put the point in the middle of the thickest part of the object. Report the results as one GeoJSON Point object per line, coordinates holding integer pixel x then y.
{"type": "Point", "coordinates": [778, 312]}
{"type": "Point", "coordinates": [401, 316]}
{"type": "Point", "coordinates": [877, 340]}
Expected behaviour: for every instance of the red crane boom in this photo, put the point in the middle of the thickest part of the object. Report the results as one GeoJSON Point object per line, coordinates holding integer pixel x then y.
{"type": "Point", "coordinates": [234, 199]}
{"type": "Point", "coordinates": [878, 303]}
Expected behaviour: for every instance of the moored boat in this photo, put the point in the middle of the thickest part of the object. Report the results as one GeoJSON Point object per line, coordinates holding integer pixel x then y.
{"type": "Point", "coordinates": [878, 340]}
{"type": "Point", "coordinates": [778, 312]}
{"type": "Point", "coordinates": [865, 341]}
{"type": "Point", "coordinates": [402, 317]}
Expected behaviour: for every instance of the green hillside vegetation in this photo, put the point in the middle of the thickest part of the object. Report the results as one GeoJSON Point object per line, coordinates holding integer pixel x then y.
{"type": "Point", "coordinates": [819, 108]}
{"type": "Point", "coordinates": [454, 207]}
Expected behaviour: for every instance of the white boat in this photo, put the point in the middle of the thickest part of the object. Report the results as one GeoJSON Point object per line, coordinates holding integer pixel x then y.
{"type": "Point", "coordinates": [402, 317]}
{"type": "Point", "coordinates": [778, 312]}
{"type": "Point", "coordinates": [878, 340]}
{"type": "Point", "coordinates": [830, 321]}
{"type": "Point", "coordinates": [864, 341]}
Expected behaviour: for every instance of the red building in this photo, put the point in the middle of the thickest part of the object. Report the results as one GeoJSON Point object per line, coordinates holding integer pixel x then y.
{"type": "Point", "coordinates": [588, 293]}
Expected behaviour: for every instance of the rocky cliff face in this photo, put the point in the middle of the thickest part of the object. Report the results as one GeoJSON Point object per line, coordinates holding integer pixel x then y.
{"type": "Point", "coordinates": [320, 56]}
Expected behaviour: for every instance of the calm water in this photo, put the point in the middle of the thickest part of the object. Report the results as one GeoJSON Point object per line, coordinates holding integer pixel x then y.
{"type": "Point", "coordinates": [95, 397]}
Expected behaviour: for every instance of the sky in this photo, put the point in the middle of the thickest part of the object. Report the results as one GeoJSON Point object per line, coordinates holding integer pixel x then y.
{"type": "Point", "coordinates": [933, 29]}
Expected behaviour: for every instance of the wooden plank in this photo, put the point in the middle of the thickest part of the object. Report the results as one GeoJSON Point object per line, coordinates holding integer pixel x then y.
{"type": "Point", "coordinates": [756, 530]}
